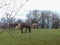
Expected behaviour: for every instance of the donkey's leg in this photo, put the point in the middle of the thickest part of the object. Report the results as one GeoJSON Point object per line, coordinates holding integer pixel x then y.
{"type": "Point", "coordinates": [21, 30]}
{"type": "Point", "coordinates": [26, 30]}
{"type": "Point", "coordinates": [29, 29]}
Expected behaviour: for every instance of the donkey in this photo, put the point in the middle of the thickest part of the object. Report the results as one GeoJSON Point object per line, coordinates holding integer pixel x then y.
{"type": "Point", "coordinates": [25, 25]}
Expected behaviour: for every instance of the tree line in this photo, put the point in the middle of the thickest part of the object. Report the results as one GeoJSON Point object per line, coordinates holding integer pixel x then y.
{"type": "Point", "coordinates": [41, 19]}
{"type": "Point", "coordinates": [44, 19]}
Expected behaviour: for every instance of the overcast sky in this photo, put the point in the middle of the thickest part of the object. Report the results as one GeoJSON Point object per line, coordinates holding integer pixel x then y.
{"type": "Point", "coordinates": [53, 5]}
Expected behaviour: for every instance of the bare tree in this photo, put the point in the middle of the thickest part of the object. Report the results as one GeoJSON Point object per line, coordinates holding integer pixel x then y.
{"type": "Point", "coordinates": [55, 20]}
{"type": "Point", "coordinates": [46, 18]}
{"type": "Point", "coordinates": [11, 12]}
{"type": "Point", "coordinates": [34, 16]}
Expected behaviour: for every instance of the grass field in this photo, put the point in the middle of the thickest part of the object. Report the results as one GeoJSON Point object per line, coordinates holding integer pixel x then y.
{"type": "Point", "coordinates": [36, 37]}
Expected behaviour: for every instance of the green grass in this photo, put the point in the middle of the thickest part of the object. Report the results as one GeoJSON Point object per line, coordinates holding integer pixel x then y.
{"type": "Point", "coordinates": [36, 37]}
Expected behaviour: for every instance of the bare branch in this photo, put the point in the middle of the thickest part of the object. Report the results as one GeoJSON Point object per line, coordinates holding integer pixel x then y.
{"type": "Point", "coordinates": [18, 9]}
{"type": "Point", "coordinates": [12, 10]}
{"type": "Point", "coordinates": [6, 4]}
